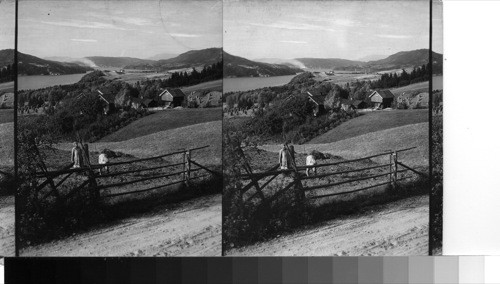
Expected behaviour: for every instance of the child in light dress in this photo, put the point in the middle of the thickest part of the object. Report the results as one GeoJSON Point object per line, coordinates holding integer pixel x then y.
{"type": "Point", "coordinates": [103, 160]}
{"type": "Point", "coordinates": [310, 161]}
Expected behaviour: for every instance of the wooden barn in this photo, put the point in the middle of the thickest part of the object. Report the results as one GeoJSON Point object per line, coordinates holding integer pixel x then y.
{"type": "Point", "coordinates": [381, 98]}
{"type": "Point", "coordinates": [171, 97]}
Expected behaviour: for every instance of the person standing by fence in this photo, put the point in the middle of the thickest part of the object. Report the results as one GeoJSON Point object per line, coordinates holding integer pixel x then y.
{"type": "Point", "coordinates": [76, 155]}
{"type": "Point", "coordinates": [291, 150]}
{"type": "Point", "coordinates": [285, 157]}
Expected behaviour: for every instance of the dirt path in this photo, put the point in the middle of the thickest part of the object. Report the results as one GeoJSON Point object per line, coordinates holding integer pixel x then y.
{"type": "Point", "coordinates": [192, 228]}
{"type": "Point", "coordinates": [7, 247]}
{"type": "Point", "coordinates": [398, 228]}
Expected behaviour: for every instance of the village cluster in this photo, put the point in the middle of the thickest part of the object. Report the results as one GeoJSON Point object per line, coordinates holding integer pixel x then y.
{"type": "Point", "coordinates": [168, 98]}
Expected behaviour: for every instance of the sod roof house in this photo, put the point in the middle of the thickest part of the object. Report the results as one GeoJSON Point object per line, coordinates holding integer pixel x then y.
{"type": "Point", "coordinates": [171, 97]}
{"type": "Point", "coordinates": [136, 103]}
{"type": "Point", "coordinates": [319, 101]}
{"type": "Point", "coordinates": [347, 104]}
{"type": "Point", "coordinates": [381, 98]}
{"type": "Point", "coordinates": [109, 100]}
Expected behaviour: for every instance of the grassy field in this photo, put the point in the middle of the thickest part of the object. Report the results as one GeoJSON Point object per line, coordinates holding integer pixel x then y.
{"type": "Point", "coordinates": [421, 87]}
{"type": "Point", "coordinates": [164, 120]}
{"type": "Point", "coordinates": [167, 141]}
{"type": "Point", "coordinates": [372, 122]}
{"type": "Point", "coordinates": [207, 86]}
{"type": "Point", "coordinates": [343, 78]}
{"type": "Point", "coordinates": [6, 115]}
{"type": "Point", "coordinates": [377, 142]}
{"type": "Point", "coordinates": [7, 87]}
{"type": "Point", "coordinates": [6, 145]}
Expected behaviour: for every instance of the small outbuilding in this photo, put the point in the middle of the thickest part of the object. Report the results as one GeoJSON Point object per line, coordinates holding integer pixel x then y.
{"type": "Point", "coordinates": [381, 98]}
{"type": "Point", "coordinates": [171, 97]}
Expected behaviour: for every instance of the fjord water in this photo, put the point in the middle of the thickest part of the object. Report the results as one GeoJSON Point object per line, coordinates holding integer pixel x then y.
{"type": "Point", "coordinates": [251, 83]}
{"type": "Point", "coordinates": [42, 81]}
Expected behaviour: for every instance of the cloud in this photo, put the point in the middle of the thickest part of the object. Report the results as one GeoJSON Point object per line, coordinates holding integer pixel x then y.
{"type": "Point", "coordinates": [184, 35]}
{"type": "Point", "coordinates": [293, 41]}
{"type": "Point", "coordinates": [294, 26]}
{"type": "Point", "coordinates": [135, 21]}
{"type": "Point", "coordinates": [395, 36]}
{"type": "Point", "coordinates": [84, 24]}
{"type": "Point", "coordinates": [84, 40]}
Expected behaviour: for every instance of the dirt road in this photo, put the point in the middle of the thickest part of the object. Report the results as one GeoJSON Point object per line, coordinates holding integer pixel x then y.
{"type": "Point", "coordinates": [7, 218]}
{"type": "Point", "coordinates": [191, 228]}
{"type": "Point", "coordinates": [398, 228]}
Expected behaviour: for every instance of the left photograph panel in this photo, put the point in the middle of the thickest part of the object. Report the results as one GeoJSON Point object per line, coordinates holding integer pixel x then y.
{"type": "Point", "coordinates": [7, 188]}
{"type": "Point", "coordinates": [119, 128]}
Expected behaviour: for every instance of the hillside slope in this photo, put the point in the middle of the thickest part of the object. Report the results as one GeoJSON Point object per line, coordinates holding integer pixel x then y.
{"type": "Point", "coordinates": [404, 59]}
{"type": "Point", "coordinates": [372, 122]}
{"type": "Point", "coordinates": [32, 65]}
{"type": "Point", "coordinates": [192, 58]}
{"type": "Point", "coordinates": [375, 143]}
{"type": "Point", "coordinates": [118, 62]}
{"type": "Point", "coordinates": [168, 141]}
{"type": "Point", "coordinates": [164, 120]}
{"type": "Point", "coordinates": [398, 60]}
{"type": "Point", "coordinates": [235, 66]}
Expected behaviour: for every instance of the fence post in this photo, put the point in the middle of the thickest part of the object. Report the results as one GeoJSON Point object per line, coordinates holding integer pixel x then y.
{"type": "Point", "coordinates": [92, 180]}
{"type": "Point", "coordinates": [299, 189]}
{"type": "Point", "coordinates": [395, 167]}
{"type": "Point", "coordinates": [390, 168]}
{"type": "Point", "coordinates": [188, 166]}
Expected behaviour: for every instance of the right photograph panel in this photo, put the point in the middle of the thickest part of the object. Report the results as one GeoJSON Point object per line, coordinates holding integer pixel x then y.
{"type": "Point", "coordinates": [326, 127]}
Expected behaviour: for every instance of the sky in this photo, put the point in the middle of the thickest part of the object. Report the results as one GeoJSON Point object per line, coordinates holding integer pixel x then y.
{"type": "Point", "coordinates": [7, 24]}
{"type": "Point", "coordinates": [141, 29]}
{"type": "Point", "coordinates": [324, 29]}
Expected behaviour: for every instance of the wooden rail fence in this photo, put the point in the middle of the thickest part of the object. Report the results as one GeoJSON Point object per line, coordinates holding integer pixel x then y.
{"type": "Point", "coordinates": [395, 169]}
{"type": "Point", "coordinates": [93, 182]}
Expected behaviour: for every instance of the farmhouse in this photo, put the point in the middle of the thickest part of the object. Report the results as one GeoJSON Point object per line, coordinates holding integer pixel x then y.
{"type": "Point", "coordinates": [381, 98]}
{"type": "Point", "coordinates": [171, 97]}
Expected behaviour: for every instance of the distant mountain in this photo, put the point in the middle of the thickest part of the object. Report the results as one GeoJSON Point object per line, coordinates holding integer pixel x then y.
{"type": "Point", "coordinates": [329, 63]}
{"type": "Point", "coordinates": [163, 56]}
{"type": "Point", "coordinates": [398, 60]}
{"type": "Point", "coordinates": [372, 57]}
{"type": "Point", "coordinates": [6, 57]}
{"type": "Point", "coordinates": [288, 62]}
{"type": "Point", "coordinates": [235, 66]}
{"type": "Point", "coordinates": [79, 61]}
{"type": "Point", "coordinates": [118, 62]}
{"type": "Point", "coordinates": [32, 65]}
{"type": "Point", "coordinates": [405, 59]}
{"type": "Point", "coordinates": [192, 58]}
